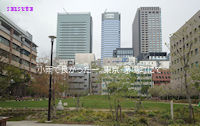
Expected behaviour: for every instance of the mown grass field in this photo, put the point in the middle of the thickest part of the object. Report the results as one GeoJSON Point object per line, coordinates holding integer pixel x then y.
{"type": "Point", "coordinates": [98, 102]}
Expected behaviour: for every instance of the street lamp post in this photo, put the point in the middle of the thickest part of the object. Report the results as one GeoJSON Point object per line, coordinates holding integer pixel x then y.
{"type": "Point", "coordinates": [50, 78]}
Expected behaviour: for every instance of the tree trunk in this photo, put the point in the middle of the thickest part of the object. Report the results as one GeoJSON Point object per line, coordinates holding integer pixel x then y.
{"type": "Point", "coordinates": [120, 111]}
{"type": "Point", "coordinates": [78, 101]}
{"type": "Point", "coordinates": [53, 101]}
{"type": "Point", "coordinates": [116, 110]}
{"type": "Point", "coordinates": [110, 106]}
{"type": "Point", "coordinates": [189, 98]}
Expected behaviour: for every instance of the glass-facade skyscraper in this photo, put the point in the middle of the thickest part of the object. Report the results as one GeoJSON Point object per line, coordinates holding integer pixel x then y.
{"type": "Point", "coordinates": [110, 36]}
{"type": "Point", "coordinates": [74, 34]}
{"type": "Point", "coordinates": [147, 34]}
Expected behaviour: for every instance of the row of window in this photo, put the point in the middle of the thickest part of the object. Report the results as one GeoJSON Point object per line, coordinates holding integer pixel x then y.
{"type": "Point", "coordinates": [185, 45]}
{"type": "Point", "coordinates": [4, 41]}
{"type": "Point", "coordinates": [162, 72]}
{"type": "Point", "coordinates": [162, 77]}
{"type": "Point", "coordinates": [17, 59]}
{"type": "Point", "coordinates": [191, 66]}
{"type": "Point", "coordinates": [159, 82]}
{"type": "Point", "coordinates": [192, 53]}
{"type": "Point", "coordinates": [14, 46]}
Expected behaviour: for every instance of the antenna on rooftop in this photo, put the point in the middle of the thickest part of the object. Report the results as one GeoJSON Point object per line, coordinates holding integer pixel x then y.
{"type": "Point", "coordinates": [65, 11]}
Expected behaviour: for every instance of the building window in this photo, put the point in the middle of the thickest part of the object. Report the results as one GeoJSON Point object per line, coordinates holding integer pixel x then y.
{"type": "Point", "coordinates": [26, 63]}
{"type": "Point", "coordinates": [195, 40]}
{"type": "Point", "coordinates": [191, 52]}
{"type": "Point", "coordinates": [196, 51]}
{"type": "Point", "coordinates": [16, 47]}
{"type": "Point", "coordinates": [4, 41]}
{"type": "Point", "coordinates": [195, 30]}
{"type": "Point", "coordinates": [4, 53]}
{"type": "Point", "coordinates": [192, 64]}
{"type": "Point", "coordinates": [15, 58]}
{"type": "Point", "coordinates": [197, 63]}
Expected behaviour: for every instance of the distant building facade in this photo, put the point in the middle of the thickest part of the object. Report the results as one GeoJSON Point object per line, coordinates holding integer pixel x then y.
{"type": "Point", "coordinates": [16, 46]}
{"type": "Point", "coordinates": [74, 34]}
{"type": "Point", "coordinates": [79, 81]}
{"type": "Point", "coordinates": [185, 41]}
{"type": "Point", "coordinates": [123, 52]}
{"type": "Point", "coordinates": [146, 31]}
{"type": "Point", "coordinates": [119, 61]}
{"type": "Point", "coordinates": [96, 86]}
{"type": "Point", "coordinates": [110, 36]}
{"type": "Point", "coordinates": [159, 56]}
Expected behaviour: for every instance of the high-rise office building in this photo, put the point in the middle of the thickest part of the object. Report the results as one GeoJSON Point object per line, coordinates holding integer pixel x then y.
{"type": "Point", "coordinates": [147, 34]}
{"type": "Point", "coordinates": [74, 34]}
{"type": "Point", "coordinates": [110, 37]}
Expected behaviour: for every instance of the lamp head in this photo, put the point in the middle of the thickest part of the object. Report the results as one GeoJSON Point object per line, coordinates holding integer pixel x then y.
{"type": "Point", "coordinates": [52, 37]}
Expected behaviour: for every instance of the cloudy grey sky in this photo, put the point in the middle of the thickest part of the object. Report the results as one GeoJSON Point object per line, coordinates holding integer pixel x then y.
{"type": "Point", "coordinates": [43, 20]}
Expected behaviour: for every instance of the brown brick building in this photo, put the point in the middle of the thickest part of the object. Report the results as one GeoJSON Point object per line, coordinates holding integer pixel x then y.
{"type": "Point", "coordinates": [161, 76]}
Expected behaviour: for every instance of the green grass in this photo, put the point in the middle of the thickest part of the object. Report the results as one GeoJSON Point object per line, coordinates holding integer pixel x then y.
{"type": "Point", "coordinates": [100, 102]}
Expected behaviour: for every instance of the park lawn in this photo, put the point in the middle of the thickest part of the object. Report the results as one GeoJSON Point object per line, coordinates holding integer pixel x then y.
{"type": "Point", "coordinates": [98, 102]}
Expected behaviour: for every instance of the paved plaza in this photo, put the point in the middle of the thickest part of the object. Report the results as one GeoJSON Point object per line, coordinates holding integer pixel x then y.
{"type": "Point", "coordinates": [32, 123]}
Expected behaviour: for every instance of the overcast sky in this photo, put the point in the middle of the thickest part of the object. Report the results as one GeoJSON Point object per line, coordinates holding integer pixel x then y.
{"type": "Point", "coordinates": [43, 20]}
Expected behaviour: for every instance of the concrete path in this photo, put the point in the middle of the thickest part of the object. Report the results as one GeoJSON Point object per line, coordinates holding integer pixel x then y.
{"type": "Point", "coordinates": [32, 123]}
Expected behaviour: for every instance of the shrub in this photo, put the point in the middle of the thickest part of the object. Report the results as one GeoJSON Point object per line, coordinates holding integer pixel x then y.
{"type": "Point", "coordinates": [180, 121]}
{"type": "Point", "coordinates": [151, 114]}
{"type": "Point", "coordinates": [143, 120]}
{"type": "Point", "coordinates": [165, 116]}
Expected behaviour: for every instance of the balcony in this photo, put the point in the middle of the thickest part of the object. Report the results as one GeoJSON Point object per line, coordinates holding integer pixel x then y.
{"type": "Point", "coordinates": [15, 52]}
{"type": "Point", "coordinates": [26, 48]}
{"type": "Point", "coordinates": [5, 60]}
{"type": "Point", "coordinates": [4, 29]}
{"type": "Point", "coordinates": [26, 57]}
{"type": "Point", "coordinates": [17, 42]}
{"type": "Point", "coordinates": [27, 45]}
{"type": "Point", "coordinates": [34, 53]}
{"type": "Point", "coordinates": [14, 63]}
{"type": "Point", "coordinates": [17, 38]}
{"type": "Point", "coordinates": [33, 61]}
{"type": "Point", "coordinates": [4, 47]}
{"type": "Point", "coordinates": [25, 67]}
{"type": "Point", "coordinates": [7, 36]}
{"type": "Point", "coordinates": [34, 49]}
{"type": "Point", "coordinates": [33, 70]}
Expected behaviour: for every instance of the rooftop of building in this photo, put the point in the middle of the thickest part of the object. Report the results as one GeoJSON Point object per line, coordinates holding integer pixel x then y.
{"type": "Point", "coordinates": [124, 48]}
{"type": "Point", "coordinates": [189, 22]}
{"type": "Point", "coordinates": [25, 34]}
{"type": "Point", "coordinates": [73, 13]}
{"type": "Point", "coordinates": [149, 8]}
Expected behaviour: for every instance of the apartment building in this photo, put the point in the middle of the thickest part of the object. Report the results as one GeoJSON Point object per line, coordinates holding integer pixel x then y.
{"type": "Point", "coordinates": [17, 46]}
{"type": "Point", "coordinates": [185, 44]}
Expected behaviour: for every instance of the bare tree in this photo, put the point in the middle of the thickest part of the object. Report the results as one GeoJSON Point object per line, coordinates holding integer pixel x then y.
{"type": "Point", "coordinates": [183, 55]}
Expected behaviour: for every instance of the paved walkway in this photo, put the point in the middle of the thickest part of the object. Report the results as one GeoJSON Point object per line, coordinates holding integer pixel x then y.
{"type": "Point", "coordinates": [32, 123]}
